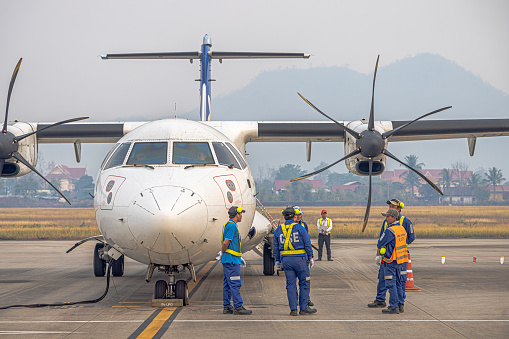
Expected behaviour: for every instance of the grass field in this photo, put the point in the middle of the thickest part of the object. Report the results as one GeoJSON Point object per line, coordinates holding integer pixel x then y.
{"type": "Point", "coordinates": [429, 222]}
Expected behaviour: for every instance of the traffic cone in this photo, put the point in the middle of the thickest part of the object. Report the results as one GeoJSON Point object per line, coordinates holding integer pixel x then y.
{"type": "Point", "coordinates": [410, 287]}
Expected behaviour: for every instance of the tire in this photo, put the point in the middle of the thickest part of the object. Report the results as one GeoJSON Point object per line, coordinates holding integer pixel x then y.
{"type": "Point", "coordinates": [160, 289]}
{"type": "Point", "coordinates": [117, 267]}
{"type": "Point", "coordinates": [99, 264]}
{"type": "Point", "coordinates": [182, 292]}
{"type": "Point", "coordinates": [268, 261]}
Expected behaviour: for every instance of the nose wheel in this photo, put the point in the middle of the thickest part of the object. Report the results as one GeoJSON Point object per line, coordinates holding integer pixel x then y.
{"type": "Point", "coordinates": [172, 289]}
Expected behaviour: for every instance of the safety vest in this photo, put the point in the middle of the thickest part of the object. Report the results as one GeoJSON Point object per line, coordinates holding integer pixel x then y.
{"type": "Point", "coordinates": [328, 222]}
{"type": "Point", "coordinates": [228, 250]}
{"type": "Point", "coordinates": [288, 247]}
{"type": "Point", "coordinates": [400, 252]}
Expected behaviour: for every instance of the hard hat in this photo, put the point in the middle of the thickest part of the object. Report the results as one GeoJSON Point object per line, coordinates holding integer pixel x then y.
{"type": "Point", "coordinates": [298, 210]}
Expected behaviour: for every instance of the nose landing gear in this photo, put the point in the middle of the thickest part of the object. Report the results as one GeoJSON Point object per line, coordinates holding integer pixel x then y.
{"type": "Point", "coordinates": [171, 289]}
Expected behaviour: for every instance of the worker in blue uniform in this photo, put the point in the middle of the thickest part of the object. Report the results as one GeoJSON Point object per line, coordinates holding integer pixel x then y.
{"type": "Point", "coordinates": [292, 249]}
{"type": "Point", "coordinates": [393, 243]}
{"type": "Point", "coordinates": [231, 258]}
{"type": "Point", "coordinates": [305, 225]}
{"type": "Point", "coordinates": [381, 290]}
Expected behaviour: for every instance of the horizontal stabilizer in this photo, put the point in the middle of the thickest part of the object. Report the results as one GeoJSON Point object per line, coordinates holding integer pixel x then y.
{"type": "Point", "coordinates": [255, 55]}
{"type": "Point", "coordinates": [167, 55]}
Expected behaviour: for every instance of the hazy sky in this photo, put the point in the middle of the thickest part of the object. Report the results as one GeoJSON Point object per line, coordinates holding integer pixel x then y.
{"type": "Point", "coordinates": [63, 77]}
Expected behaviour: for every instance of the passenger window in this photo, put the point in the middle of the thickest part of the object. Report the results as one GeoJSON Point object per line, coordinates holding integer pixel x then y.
{"type": "Point", "coordinates": [192, 153]}
{"type": "Point", "coordinates": [118, 156]}
{"type": "Point", "coordinates": [148, 153]}
{"type": "Point", "coordinates": [237, 154]}
{"type": "Point", "coordinates": [224, 156]}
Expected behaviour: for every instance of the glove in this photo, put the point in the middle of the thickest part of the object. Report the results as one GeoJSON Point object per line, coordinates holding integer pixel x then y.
{"type": "Point", "coordinates": [242, 262]}
{"type": "Point", "coordinates": [219, 255]}
{"type": "Point", "coordinates": [311, 263]}
{"type": "Point", "coordinates": [279, 266]}
{"type": "Point", "coordinates": [378, 260]}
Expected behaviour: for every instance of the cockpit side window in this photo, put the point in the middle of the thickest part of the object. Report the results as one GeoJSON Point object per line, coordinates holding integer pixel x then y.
{"type": "Point", "coordinates": [192, 153]}
{"type": "Point", "coordinates": [237, 154]}
{"type": "Point", "coordinates": [224, 156]}
{"type": "Point", "coordinates": [118, 156]}
{"type": "Point", "coordinates": [148, 153]}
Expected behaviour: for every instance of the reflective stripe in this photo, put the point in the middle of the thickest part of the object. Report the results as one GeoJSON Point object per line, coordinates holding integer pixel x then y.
{"type": "Point", "coordinates": [403, 272]}
{"type": "Point", "coordinates": [308, 278]}
{"type": "Point", "coordinates": [292, 252]}
{"type": "Point", "coordinates": [232, 252]}
{"type": "Point", "coordinates": [287, 234]}
{"type": "Point", "coordinates": [235, 278]}
{"type": "Point", "coordinates": [388, 277]}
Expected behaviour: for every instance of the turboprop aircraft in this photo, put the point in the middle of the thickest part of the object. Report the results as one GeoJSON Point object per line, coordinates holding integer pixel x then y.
{"type": "Point", "coordinates": [163, 191]}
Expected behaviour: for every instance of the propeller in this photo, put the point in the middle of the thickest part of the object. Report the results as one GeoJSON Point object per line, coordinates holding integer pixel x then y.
{"type": "Point", "coordinates": [9, 142]}
{"type": "Point", "coordinates": [370, 143]}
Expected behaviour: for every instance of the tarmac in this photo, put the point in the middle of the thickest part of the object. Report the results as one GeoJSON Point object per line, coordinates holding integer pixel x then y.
{"type": "Point", "coordinates": [458, 299]}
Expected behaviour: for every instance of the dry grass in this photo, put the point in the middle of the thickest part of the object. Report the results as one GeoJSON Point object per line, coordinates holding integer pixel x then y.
{"type": "Point", "coordinates": [429, 221]}
{"type": "Point", "coordinates": [47, 223]}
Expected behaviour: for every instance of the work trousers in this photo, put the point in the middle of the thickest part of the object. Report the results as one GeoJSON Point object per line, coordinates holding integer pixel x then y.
{"type": "Point", "coordinates": [381, 290]}
{"type": "Point", "coordinates": [231, 285]}
{"type": "Point", "coordinates": [297, 267]}
{"type": "Point", "coordinates": [392, 277]}
{"type": "Point", "coordinates": [321, 239]}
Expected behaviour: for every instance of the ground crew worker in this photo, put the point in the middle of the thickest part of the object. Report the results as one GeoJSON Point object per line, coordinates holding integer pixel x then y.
{"type": "Point", "coordinates": [393, 241]}
{"type": "Point", "coordinates": [231, 258]}
{"type": "Point", "coordinates": [305, 225]}
{"type": "Point", "coordinates": [324, 226]}
{"type": "Point", "coordinates": [292, 249]}
{"type": "Point", "coordinates": [381, 290]}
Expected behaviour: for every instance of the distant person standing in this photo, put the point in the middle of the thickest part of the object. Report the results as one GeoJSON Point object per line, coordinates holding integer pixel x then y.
{"type": "Point", "coordinates": [305, 225]}
{"type": "Point", "coordinates": [231, 258]}
{"type": "Point", "coordinates": [324, 226]}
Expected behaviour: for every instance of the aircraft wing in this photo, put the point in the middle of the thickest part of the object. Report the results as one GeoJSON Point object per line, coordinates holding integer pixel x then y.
{"type": "Point", "coordinates": [284, 131]}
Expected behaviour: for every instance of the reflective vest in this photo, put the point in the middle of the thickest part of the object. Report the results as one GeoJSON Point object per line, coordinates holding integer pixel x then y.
{"type": "Point", "coordinates": [288, 247]}
{"type": "Point", "coordinates": [228, 250]}
{"type": "Point", "coordinates": [400, 252]}
{"type": "Point", "coordinates": [328, 222]}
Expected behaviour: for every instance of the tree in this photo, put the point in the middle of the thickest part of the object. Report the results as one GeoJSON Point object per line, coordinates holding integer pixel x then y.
{"type": "Point", "coordinates": [85, 187]}
{"type": "Point", "coordinates": [461, 169]}
{"type": "Point", "coordinates": [341, 178]}
{"type": "Point", "coordinates": [494, 177]}
{"type": "Point", "coordinates": [322, 175]}
{"type": "Point", "coordinates": [289, 171]}
{"type": "Point", "coordinates": [446, 181]}
{"type": "Point", "coordinates": [412, 179]}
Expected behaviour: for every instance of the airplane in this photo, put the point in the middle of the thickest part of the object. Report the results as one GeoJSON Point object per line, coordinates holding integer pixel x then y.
{"type": "Point", "coordinates": [162, 192]}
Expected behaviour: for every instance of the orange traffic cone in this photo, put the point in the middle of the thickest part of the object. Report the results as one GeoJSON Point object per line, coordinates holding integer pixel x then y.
{"type": "Point", "coordinates": [410, 287]}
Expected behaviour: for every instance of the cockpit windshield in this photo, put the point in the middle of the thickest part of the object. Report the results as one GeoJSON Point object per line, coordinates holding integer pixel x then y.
{"type": "Point", "coordinates": [190, 153]}
{"type": "Point", "coordinates": [148, 153]}
{"type": "Point", "coordinates": [118, 156]}
{"type": "Point", "coordinates": [224, 156]}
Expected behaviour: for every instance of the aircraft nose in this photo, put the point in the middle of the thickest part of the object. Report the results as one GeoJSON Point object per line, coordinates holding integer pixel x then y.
{"type": "Point", "coordinates": [167, 219]}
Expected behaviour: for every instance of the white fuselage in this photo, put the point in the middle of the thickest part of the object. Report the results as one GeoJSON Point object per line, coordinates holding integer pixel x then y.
{"type": "Point", "coordinates": [173, 212]}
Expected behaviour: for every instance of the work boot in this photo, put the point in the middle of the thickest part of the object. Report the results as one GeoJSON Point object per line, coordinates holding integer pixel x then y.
{"type": "Point", "coordinates": [401, 308]}
{"type": "Point", "coordinates": [390, 310]}
{"type": "Point", "coordinates": [330, 259]}
{"type": "Point", "coordinates": [319, 259]}
{"type": "Point", "coordinates": [293, 313]}
{"type": "Point", "coordinates": [241, 310]}
{"type": "Point", "coordinates": [228, 309]}
{"type": "Point", "coordinates": [377, 303]}
{"type": "Point", "coordinates": [308, 310]}
{"type": "Point", "coordinates": [310, 303]}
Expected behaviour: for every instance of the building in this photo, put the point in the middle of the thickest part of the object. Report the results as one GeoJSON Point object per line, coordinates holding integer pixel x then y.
{"type": "Point", "coordinates": [67, 177]}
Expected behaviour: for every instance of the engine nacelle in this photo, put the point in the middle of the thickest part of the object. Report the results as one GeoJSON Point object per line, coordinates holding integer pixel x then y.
{"type": "Point", "coordinates": [26, 147]}
{"type": "Point", "coordinates": [359, 164]}
{"type": "Point", "coordinates": [259, 229]}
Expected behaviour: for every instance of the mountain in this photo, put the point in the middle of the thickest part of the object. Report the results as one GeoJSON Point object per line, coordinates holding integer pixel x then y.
{"type": "Point", "coordinates": [404, 90]}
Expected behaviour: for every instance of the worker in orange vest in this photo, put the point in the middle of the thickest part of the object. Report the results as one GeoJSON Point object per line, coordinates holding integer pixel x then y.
{"type": "Point", "coordinates": [393, 243]}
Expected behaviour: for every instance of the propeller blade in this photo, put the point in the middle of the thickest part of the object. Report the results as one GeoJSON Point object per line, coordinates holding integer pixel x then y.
{"type": "Point", "coordinates": [2, 161]}
{"type": "Point", "coordinates": [368, 207]}
{"type": "Point", "coordinates": [356, 135]}
{"type": "Point", "coordinates": [20, 158]}
{"type": "Point", "coordinates": [355, 152]}
{"type": "Point", "coordinates": [371, 123]}
{"type": "Point", "coordinates": [390, 133]}
{"type": "Point", "coordinates": [11, 85]}
{"type": "Point", "coordinates": [390, 155]}
{"type": "Point", "coordinates": [23, 136]}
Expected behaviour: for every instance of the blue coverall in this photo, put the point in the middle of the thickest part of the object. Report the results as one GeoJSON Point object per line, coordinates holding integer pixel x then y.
{"type": "Point", "coordinates": [381, 290]}
{"type": "Point", "coordinates": [231, 267]}
{"type": "Point", "coordinates": [295, 265]}
{"type": "Point", "coordinates": [391, 271]}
